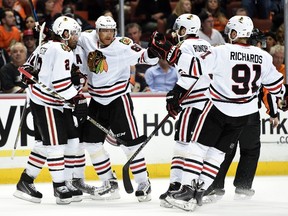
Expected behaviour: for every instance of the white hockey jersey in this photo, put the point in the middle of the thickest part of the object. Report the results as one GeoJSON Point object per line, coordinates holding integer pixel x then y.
{"type": "Point", "coordinates": [197, 97]}
{"type": "Point", "coordinates": [238, 72]}
{"type": "Point", "coordinates": [54, 61]}
{"type": "Point", "coordinates": [109, 67]}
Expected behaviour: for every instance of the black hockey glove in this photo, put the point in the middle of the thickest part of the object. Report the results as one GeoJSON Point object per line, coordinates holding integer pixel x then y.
{"type": "Point", "coordinates": [81, 107]}
{"type": "Point", "coordinates": [77, 77]}
{"type": "Point", "coordinates": [31, 70]}
{"type": "Point", "coordinates": [172, 100]}
{"type": "Point", "coordinates": [163, 48]}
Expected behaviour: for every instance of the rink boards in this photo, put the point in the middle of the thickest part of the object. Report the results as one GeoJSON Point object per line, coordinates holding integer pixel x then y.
{"type": "Point", "coordinates": [149, 110]}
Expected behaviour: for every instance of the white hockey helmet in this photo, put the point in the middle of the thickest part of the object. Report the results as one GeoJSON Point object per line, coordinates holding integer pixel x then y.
{"type": "Point", "coordinates": [65, 23]}
{"type": "Point", "coordinates": [105, 22]}
{"type": "Point", "coordinates": [243, 25]}
{"type": "Point", "coordinates": [190, 22]}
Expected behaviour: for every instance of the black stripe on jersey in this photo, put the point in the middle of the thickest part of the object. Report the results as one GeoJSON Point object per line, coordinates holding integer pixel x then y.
{"type": "Point", "coordinates": [277, 82]}
{"type": "Point", "coordinates": [64, 89]}
{"type": "Point", "coordinates": [187, 102]}
{"type": "Point", "coordinates": [194, 161]}
{"type": "Point", "coordinates": [191, 66]}
{"type": "Point", "coordinates": [199, 66]}
{"type": "Point", "coordinates": [108, 95]}
{"type": "Point", "coordinates": [232, 99]}
{"type": "Point", "coordinates": [45, 93]}
{"type": "Point", "coordinates": [60, 80]}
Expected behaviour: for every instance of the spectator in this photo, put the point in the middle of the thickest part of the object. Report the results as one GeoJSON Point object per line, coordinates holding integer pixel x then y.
{"type": "Point", "coordinates": [270, 40]}
{"type": "Point", "coordinates": [182, 7]}
{"type": "Point", "coordinates": [197, 6]}
{"type": "Point", "coordinates": [161, 77]}
{"type": "Point", "coordinates": [153, 14]}
{"type": "Point", "coordinates": [278, 54]}
{"type": "Point", "coordinates": [44, 10]}
{"type": "Point", "coordinates": [220, 20]}
{"type": "Point", "coordinates": [29, 22]}
{"type": "Point", "coordinates": [29, 41]}
{"type": "Point", "coordinates": [260, 9]}
{"type": "Point", "coordinates": [207, 31]}
{"type": "Point", "coordinates": [68, 10]}
{"type": "Point", "coordinates": [9, 33]}
{"type": "Point", "coordinates": [8, 4]}
{"type": "Point", "coordinates": [280, 34]}
{"type": "Point", "coordinates": [241, 12]}
{"type": "Point", "coordinates": [134, 31]}
{"type": "Point", "coordinates": [9, 74]}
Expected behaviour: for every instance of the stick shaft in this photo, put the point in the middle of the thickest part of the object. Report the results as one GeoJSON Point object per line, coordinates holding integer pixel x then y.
{"type": "Point", "coordinates": [19, 129]}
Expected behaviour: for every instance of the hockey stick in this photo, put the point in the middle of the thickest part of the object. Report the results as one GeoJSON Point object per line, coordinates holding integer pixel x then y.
{"type": "Point", "coordinates": [24, 111]}
{"type": "Point", "coordinates": [125, 170]}
{"type": "Point", "coordinates": [34, 14]}
{"type": "Point", "coordinates": [95, 123]}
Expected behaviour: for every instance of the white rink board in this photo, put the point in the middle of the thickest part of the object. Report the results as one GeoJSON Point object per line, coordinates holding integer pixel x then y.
{"type": "Point", "coordinates": [149, 110]}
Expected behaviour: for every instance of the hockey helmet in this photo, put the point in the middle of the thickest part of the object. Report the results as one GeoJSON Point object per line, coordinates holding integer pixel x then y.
{"type": "Point", "coordinates": [243, 25]}
{"type": "Point", "coordinates": [65, 23]}
{"type": "Point", "coordinates": [105, 22]}
{"type": "Point", "coordinates": [190, 22]}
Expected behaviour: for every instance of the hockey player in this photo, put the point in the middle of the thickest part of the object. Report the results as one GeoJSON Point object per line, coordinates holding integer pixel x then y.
{"type": "Point", "coordinates": [249, 144]}
{"type": "Point", "coordinates": [52, 67]}
{"type": "Point", "coordinates": [186, 28]}
{"type": "Point", "coordinates": [109, 59]}
{"type": "Point", "coordinates": [232, 98]}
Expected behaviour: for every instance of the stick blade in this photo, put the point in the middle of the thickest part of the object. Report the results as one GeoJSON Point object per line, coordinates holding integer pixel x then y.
{"type": "Point", "coordinates": [126, 179]}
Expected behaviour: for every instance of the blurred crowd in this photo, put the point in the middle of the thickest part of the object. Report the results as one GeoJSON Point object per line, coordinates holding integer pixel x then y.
{"type": "Point", "coordinates": [19, 37]}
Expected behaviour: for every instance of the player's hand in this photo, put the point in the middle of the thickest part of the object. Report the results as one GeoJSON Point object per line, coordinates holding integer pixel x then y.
{"type": "Point", "coordinates": [81, 107]}
{"type": "Point", "coordinates": [77, 77]}
{"type": "Point", "coordinates": [274, 122]}
{"type": "Point", "coordinates": [163, 48]}
{"type": "Point", "coordinates": [282, 103]}
{"type": "Point", "coordinates": [172, 103]}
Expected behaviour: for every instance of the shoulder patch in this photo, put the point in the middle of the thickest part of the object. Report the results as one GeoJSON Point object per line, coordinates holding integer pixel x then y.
{"type": "Point", "coordinates": [65, 47]}
{"type": "Point", "coordinates": [125, 40]}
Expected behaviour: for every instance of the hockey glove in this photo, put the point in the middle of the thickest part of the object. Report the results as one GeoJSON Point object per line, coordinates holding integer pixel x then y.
{"type": "Point", "coordinates": [283, 103]}
{"type": "Point", "coordinates": [172, 100]}
{"type": "Point", "coordinates": [77, 77]}
{"type": "Point", "coordinates": [34, 73]}
{"type": "Point", "coordinates": [163, 48]}
{"type": "Point", "coordinates": [81, 107]}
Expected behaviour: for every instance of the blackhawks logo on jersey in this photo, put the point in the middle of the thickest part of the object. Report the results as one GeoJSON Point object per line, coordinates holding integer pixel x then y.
{"type": "Point", "coordinates": [97, 62]}
{"type": "Point", "coordinates": [65, 47]}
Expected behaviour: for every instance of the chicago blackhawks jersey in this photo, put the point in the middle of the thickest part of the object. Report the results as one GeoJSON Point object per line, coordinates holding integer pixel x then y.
{"type": "Point", "coordinates": [238, 72]}
{"type": "Point", "coordinates": [109, 67]}
{"type": "Point", "coordinates": [197, 97]}
{"type": "Point", "coordinates": [53, 61]}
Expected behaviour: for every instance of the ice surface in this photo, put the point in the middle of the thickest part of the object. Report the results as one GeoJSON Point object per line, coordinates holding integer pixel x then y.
{"type": "Point", "coordinates": [270, 199]}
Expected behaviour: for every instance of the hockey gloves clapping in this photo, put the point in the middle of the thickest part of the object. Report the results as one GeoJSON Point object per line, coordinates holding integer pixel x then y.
{"type": "Point", "coordinates": [163, 48]}
{"type": "Point", "coordinates": [81, 107]}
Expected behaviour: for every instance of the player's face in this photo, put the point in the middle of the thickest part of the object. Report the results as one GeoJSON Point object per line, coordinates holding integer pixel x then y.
{"type": "Point", "coordinates": [72, 42]}
{"type": "Point", "coordinates": [106, 36]}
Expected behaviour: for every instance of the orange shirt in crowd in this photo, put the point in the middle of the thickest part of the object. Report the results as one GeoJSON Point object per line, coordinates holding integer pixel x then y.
{"type": "Point", "coordinates": [8, 38]}
{"type": "Point", "coordinates": [281, 69]}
